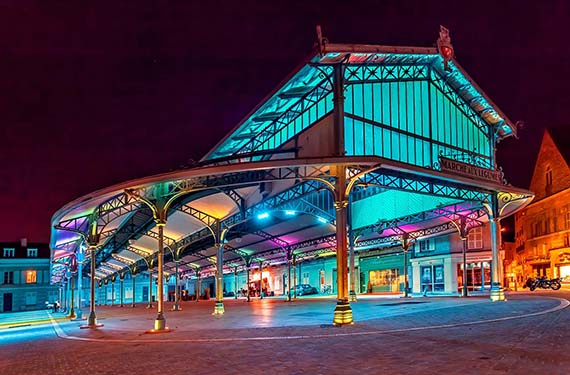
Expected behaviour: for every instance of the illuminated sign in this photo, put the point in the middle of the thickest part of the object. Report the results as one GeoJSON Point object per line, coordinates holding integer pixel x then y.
{"type": "Point", "coordinates": [468, 170]}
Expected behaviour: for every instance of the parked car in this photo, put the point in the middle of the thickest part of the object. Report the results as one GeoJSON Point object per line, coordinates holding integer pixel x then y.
{"type": "Point", "coordinates": [303, 289]}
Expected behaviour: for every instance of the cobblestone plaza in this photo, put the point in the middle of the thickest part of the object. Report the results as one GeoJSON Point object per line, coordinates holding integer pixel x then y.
{"type": "Point", "coordinates": [526, 334]}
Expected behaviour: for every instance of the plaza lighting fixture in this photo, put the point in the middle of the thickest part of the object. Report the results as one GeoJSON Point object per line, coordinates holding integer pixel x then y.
{"type": "Point", "coordinates": [290, 212]}
{"type": "Point", "coordinates": [322, 219]}
{"type": "Point", "coordinates": [263, 215]}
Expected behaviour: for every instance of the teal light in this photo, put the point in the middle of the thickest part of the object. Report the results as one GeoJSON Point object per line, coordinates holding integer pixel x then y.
{"type": "Point", "coordinates": [263, 215]}
{"type": "Point", "coordinates": [290, 213]}
{"type": "Point", "coordinates": [322, 219]}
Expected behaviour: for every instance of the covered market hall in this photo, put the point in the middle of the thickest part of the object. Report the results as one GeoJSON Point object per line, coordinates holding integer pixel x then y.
{"type": "Point", "coordinates": [369, 169]}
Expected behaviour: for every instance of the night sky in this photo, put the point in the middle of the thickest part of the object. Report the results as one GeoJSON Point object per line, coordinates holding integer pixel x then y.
{"type": "Point", "coordinates": [95, 93]}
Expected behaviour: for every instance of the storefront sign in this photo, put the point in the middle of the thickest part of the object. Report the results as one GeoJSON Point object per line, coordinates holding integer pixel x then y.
{"type": "Point", "coordinates": [468, 170]}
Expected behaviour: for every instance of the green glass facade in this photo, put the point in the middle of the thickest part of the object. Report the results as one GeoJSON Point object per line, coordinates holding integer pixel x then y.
{"type": "Point", "coordinates": [411, 119]}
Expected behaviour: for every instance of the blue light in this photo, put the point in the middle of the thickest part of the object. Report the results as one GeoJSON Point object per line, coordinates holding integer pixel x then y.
{"type": "Point", "coordinates": [263, 215]}
{"type": "Point", "coordinates": [322, 219]}
{"type": "Point", "coordinates": [290, 212]}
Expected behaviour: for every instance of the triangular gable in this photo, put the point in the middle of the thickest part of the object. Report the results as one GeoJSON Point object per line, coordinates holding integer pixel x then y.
{"type": "Point", "coordinates": [305, 97]}
{"type": "Point", "coordinates": [549, 160]}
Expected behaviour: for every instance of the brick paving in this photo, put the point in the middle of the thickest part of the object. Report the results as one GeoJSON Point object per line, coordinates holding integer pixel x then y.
{"type": "Point", "coordinates": [390, 336]}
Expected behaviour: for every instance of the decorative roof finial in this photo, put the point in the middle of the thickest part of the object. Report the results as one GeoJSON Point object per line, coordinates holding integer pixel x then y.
{"type": "Point", "coordinates": [321, 42]}
{"type": "Point", "coordinates": [445, 47]}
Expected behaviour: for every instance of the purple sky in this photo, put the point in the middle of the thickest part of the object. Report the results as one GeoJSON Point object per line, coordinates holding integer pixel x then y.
{"type": "Point", "coordinates": [97, 94]}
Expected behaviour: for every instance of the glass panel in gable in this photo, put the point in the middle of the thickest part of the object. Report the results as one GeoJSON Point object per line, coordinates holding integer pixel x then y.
{"type": "Point", "coordinates": [378, 141]}
{"type": "Point", "coordinates": [368, 139]}
{"type": "Point", "coordinates": [377, 101]}
{"type": "Point", "coordinates": [387, 145]}
{"type": "Point", "coordinates": [358, 138]}
{"type": "Point", "coordinates": [386, 109]}
{"type": "Point", "coordinates": [394, 105]}
{"type": "Point", "coordinates": [402, 106]}
{"type": "Point", "coordinates": [368, 101]}
{"type": "Point", "coordinates": [349, 135]}
{"type": "Point", "coordinates": [425, 108]}
{"type": "Point", "coordinates": [357, 100]}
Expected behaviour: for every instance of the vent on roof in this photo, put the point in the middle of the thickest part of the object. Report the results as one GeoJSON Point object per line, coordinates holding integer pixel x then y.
{"type": "Point", "coordinates": [269, 116]}
{"type": "Point", "coordinates": [295, 92]}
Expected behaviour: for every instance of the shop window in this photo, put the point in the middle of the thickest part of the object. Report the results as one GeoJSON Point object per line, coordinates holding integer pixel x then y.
{"type": "Point", "coordinates": [432, 279]}
{"type": "Point", "coordinates": [30, 277]}
{"type": "Point", "coordinates": [31, 298]}
{"type": "Point", "coordinates": [32, 253]}
{"type": "Point", "coordinates": [478, 275]}
{"type": "Point", "coordinates": [306, 278]}
{"type": "Point", "coordinates": [567, 220]}
{"type": "Point", "coordinates": [383, 281]}
{"type": "Point", "coordinates": [9, 277]}
{"type": "Point", "coordinates": [9, 252]}
{"type": "Point", "coordinates": [475, 238]}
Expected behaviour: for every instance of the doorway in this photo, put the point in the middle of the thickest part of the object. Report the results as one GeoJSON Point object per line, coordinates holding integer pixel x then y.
{"type": "Point", "coordinates": [7, 302]}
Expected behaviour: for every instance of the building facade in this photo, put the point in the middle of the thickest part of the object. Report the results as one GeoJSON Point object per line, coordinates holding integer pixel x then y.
{"type": "Point", "coordinates": [543, 227]}
{"type": "Point", "coordinates": [25, 272]}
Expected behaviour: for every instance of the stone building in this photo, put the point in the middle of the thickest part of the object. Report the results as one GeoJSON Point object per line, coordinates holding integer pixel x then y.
{"type": "Point", "coordinates": [543, 227]}
{"type": "Point", "coordinates": [25, 272]}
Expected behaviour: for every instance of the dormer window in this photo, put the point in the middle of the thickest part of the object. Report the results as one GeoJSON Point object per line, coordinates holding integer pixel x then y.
{"type": "Point", "coordinates": [32, 253]}
{"type": "Point", "coordinates": [9, 252]}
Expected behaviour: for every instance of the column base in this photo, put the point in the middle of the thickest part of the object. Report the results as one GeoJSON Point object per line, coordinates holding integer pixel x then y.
{"type": "Point", "coordinates": [218, 308]}
{"type": "Point", "coordinates": [498, 294]}
{"type": "Point", "coordinates": [176, 308]}
{"type": "Point", "coordinates": [342, 314]}
{"type": "Point", "coordinates": [159, 325]}
{"type": "Point", "coordinates": [352, 296]}
{"type": "Point", "coordinates": [72, 315]}
{"type": "Point", "coordinates": [91, 322]}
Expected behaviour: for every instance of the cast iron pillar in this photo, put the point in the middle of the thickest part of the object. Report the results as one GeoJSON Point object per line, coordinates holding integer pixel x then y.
{"type": "Point", "coordinates": [351, 240]}
{"type": "Point", "coordinates": [405, 248]}
{"type": "Point", "coordinates": [198, 285]}
{"type": "Point", "coordinates": [219, 306]}
{"type": "Point", "coordinates": [113, 278]}
{"type": "Point", "coordinates": [247, 268]}
{"type": "Point", "coordinates": [176, 306]}
{"type": "Point", "coordinates": [80, 259]}
{"type": "Point", "coordinates": [149, 305]}
{"type": "Point", "coordinates": [133, 276]}
{"type": "Point", "coordinates": [160, 321]}
{"type": "Point", "coordinates": [289, 260]}
{"type": "Point", "coordinates": [122, 286]}
{"type": "Point", "coordinates": [294, 276]}
{"type": "Point", "coordinates": [236, 283]}
{"type": "Point", "coordinates": [92, 320]}
{"type": "Point", "coordinates": [260, 279]}
{"type": "Point", "coordinates": [497, 292]}
{"type": "Point", "coordinates": [343, 311]}
{"type": "Point", "coordinates": [72, 299]}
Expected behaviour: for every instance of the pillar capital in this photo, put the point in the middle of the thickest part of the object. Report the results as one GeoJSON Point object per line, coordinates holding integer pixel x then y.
{"type": "Point", "coordinates": [341, 204]}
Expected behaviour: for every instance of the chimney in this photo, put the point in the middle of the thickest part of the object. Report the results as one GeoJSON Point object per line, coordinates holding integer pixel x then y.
{"type": "Point", "coordinates": [24, 242]}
